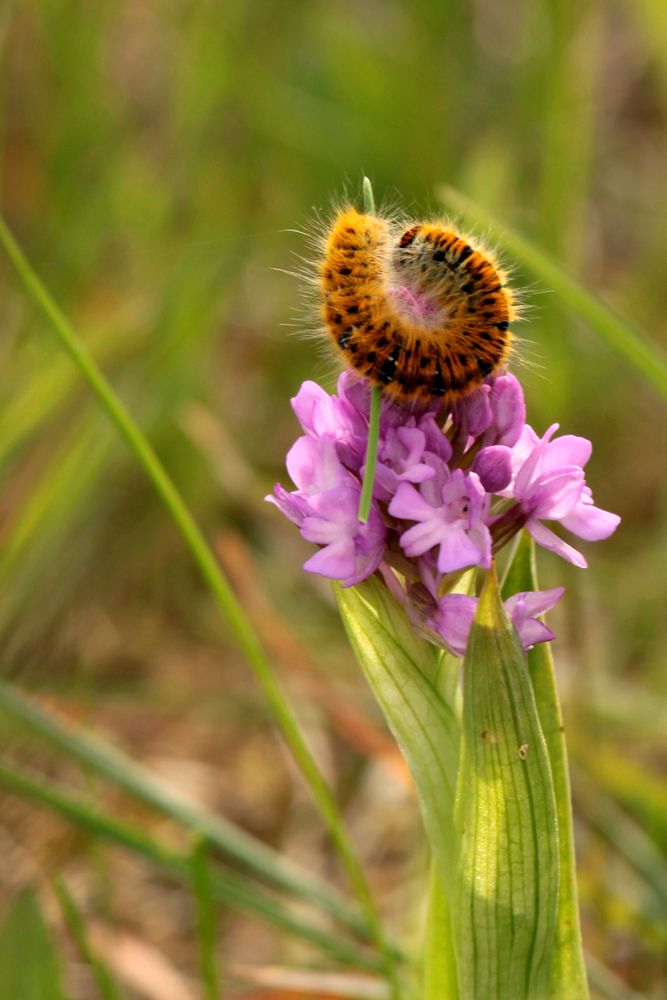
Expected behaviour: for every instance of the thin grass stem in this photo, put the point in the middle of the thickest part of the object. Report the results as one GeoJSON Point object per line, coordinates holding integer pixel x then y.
{"type": "Point", "coordinates": [202, 890]}
{"type": "Point", "coordinates": [376, 403]}
{"type": "Point", "coordinates": [106, 985]}
{"type": "Point", "coordinates": [238, 621]}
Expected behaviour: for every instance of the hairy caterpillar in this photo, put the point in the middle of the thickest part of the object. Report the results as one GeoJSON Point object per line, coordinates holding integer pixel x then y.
{"type": "Point", "coordinates": [418, 311]}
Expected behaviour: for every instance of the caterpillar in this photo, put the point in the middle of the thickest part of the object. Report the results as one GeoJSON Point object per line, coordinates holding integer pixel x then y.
{"type": "Point", "coordinates": [419, 311]}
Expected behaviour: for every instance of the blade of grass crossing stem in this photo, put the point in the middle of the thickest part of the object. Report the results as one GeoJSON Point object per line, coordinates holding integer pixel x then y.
{"type": "Point", "coordinates": [238, 621]}
{"type": "Point", "coordinates": [632, 345]}
{"type": "Point", "coordinates": [376, 403]}
{"type": "Point", "coordinates": [106, 984]}
{"type": "Point", "coordinates": [568, 973]}
{"type": "Point", "coordinates": [114, 765]}
{"type": "Point", "coordinates": [229, 889]}
{"type": "Point", "coordinates": [505, 895]}
{"type": "Point", "coordinates": [202, 889]}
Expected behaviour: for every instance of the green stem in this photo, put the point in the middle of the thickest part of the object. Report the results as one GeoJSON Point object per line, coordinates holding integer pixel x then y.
{"type": "Point", "coordinates": [106, 985]}
{"type": "Point", "coordinates": [376, 402]}
{"type": "Point", "coordinates": [207, 931]}
{"type": "Point", "coordinates": [371, 454]}
{"type": "Point", "coordinates": [202, 555]}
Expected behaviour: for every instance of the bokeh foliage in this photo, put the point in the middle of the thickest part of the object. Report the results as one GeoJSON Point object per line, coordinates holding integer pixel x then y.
{"type": "Point", "coordinates": [156, 160]}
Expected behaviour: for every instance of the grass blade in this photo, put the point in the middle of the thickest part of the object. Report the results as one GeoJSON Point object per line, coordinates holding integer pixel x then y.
{"type": "Point", "coordinates": [629, 343]}
{"type": "Point", "coordinates": [113, 764]}
{"type": "Point", "coordinates": [402, 670]}
{"type": "Point", "coordinates": [105, 983]}
{"type": "Point", "coordinates": [227, 888]}
{"type": "Point", "coordinates": [238, 621]}
{"type": "Point", "coordinates": [202, 889]}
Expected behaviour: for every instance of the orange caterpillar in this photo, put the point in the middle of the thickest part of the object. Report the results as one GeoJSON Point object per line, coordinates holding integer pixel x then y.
{"type": "Point", "coordinates": [421, 313]}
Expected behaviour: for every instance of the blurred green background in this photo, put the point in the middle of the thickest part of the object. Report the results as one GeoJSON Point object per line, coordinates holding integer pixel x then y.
{"type": "Point", "coordinates": [160, 162]}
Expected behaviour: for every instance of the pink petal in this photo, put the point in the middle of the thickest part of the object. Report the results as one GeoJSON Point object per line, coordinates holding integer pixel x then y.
{"type": "Point", "coordinates": [566, 450]}
{"type": "Point", "coordinates": [557, 493]}
{"type": "Point", "coordinates": [546, 538]}
{"type": "Point", "coordinates": [590, 522]}
{"type": "Point", "coordinates": [534, 602]}
{"type": "Point", "coordinates": [313, 464]}
{"type": "Point", "coordinates": [423, 536]}
{"type": "Point", "coordinates": [457, 551]}
{"type": "Point", "coordinates": [532, 631]}
{"type": "Point", "coordinates": [410, 504]}
{"type": "Point", "coordinates": [336, 561]}
{"type": "Point", "coordinates": [321, 532]}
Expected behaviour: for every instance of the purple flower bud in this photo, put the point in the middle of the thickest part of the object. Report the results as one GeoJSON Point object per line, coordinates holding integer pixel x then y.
{"type": "Point", "coordinates": [493, 465]}
{"type": "Point", "coordinates": [473, 414]}
{"type": "Point", "coordinates": [508, 408]}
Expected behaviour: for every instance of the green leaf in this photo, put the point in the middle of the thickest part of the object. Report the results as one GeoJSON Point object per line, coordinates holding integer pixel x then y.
{"type": "Point", "coordinates": [506, 883]}
{"type": "Point", "coordinates": [401, 669]}
{"type": "Point", "coordinates": [568, 974]}
{"type": "Point", "coordinates": [407, 677]}
{"type": "Point", "coordinates": [29, 966]}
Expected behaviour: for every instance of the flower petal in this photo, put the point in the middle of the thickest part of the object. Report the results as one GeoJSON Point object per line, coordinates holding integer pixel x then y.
{"type": "Point", "coordinates": [335, 561]}
{"type": "Point", "coordinates": [566, 450]}
{"type": "Point", "coordinates": [555, 493]}
{"type": "Point", "coordinates": [531, 631]}
{"type": "Point", "coordinates": [457, 551]}
{"type": "Point", "coordinates": [548, 540]}
{"type": "Point", "coordinates": [410, 504]}
{"type": "Point", "coordinates": [293, 506]}
{"type": "Point", "coordinates": [590, 522]}
{"type": "Point", "coordinates": [534, 602]}
{"type": "Point", "coordinates": [313, 464]}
